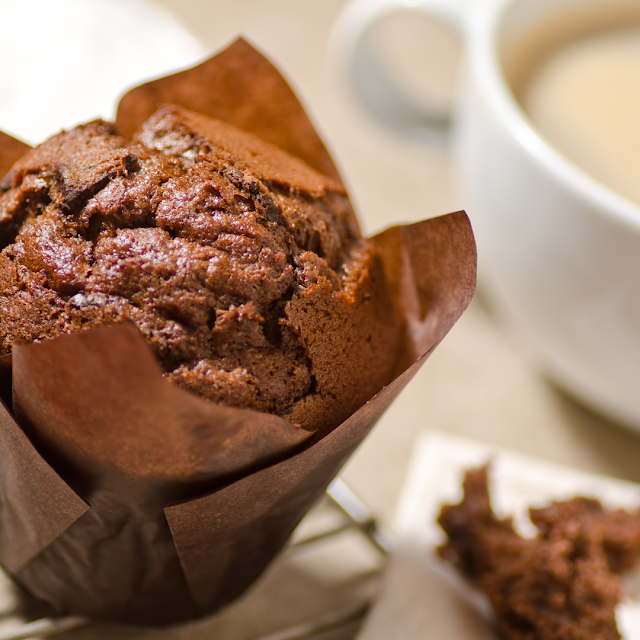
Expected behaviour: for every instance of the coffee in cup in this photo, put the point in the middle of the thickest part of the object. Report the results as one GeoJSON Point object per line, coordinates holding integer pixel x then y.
{"type": "Point", "coordinates": [577, 77]}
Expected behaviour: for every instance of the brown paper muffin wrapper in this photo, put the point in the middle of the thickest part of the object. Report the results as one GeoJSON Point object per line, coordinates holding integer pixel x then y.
{"type": "Point", "coordinates": [125, 498]}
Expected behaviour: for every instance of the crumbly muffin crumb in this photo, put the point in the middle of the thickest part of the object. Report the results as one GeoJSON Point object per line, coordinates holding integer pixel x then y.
{"type": "Point", "coordinates": [562, 584]}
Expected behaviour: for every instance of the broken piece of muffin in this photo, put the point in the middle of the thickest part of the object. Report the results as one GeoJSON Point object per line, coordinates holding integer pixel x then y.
{"type": "Point", "coordinates": [244, 269]}
{"type": "Point", "coordinates": [563, 583]}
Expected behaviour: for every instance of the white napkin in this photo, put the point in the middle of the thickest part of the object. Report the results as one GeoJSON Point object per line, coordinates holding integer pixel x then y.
{"type": "Point", "coordinates": [422, 596]}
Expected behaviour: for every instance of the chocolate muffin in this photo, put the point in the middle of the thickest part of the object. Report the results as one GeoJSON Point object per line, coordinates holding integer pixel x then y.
{"type": "Point", "coordinates": [244, 269]}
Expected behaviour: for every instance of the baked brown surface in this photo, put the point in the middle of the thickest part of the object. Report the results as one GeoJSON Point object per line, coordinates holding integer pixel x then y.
{"type": "Point", "coordinates": [561, 584]}
{"type": "Point", "coordinates": [244, 268]}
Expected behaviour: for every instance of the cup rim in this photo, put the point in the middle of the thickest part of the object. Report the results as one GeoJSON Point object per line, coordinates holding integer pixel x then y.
{"type": "Point", "coordinates": [487, 69]}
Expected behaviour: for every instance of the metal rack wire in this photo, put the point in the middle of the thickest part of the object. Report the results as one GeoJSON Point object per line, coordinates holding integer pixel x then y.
{"type": "Point", "coordinates": [358, 517]}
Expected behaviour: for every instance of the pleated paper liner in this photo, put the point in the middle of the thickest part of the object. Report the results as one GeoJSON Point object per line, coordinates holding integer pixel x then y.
{"type": "Point", "coordinates": [124, 498]}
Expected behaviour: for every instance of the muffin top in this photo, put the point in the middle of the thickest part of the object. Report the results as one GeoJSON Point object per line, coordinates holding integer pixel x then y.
{"type": "Point", "coordinates": [243, 268]}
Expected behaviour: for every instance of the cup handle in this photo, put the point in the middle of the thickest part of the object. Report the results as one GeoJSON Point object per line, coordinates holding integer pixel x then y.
{"type": "Point", "coordinates": [357, 58]}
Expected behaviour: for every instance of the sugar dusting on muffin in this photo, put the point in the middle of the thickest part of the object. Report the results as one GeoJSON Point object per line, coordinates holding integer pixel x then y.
{"type": "Point", "coordinates": [244, 269]}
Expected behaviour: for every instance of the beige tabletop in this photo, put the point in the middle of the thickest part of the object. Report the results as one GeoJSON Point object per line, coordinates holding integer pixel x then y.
{"type": "Point", "coordinates": [476, 384]}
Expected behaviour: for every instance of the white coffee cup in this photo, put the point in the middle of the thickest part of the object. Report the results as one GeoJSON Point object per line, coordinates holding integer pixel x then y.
{"type": "Point", "coordinates": [559, 253]}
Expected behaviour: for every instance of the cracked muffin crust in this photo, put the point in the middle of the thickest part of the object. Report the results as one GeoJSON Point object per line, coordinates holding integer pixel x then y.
{"type": "Point", "coordinates": [244, 269]}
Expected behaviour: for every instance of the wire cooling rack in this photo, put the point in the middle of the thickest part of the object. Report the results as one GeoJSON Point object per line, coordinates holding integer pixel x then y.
{"type": "Point", "coordinates": [358, 517]}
